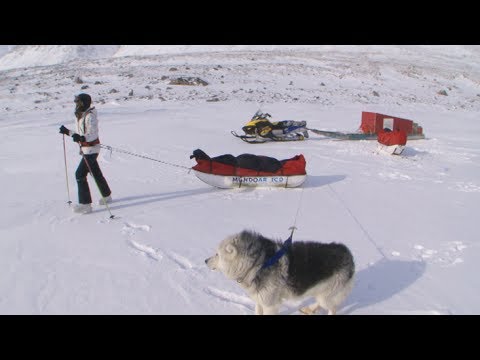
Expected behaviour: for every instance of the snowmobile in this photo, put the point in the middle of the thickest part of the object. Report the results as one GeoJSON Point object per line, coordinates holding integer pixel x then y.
{"type": "Point", "coordinates": [260, 130]}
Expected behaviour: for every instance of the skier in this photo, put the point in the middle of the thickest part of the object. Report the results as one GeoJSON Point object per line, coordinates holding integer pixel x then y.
{"type": "Point", "coordinates": [86, 135]}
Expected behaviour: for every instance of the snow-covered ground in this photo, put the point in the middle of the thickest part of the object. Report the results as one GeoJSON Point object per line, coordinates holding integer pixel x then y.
{"type": "Point", "coordinates": [409, 220]}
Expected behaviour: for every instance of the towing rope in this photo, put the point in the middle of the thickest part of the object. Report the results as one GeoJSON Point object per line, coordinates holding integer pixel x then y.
{"type": "Point", "coordinates": [111, 148]}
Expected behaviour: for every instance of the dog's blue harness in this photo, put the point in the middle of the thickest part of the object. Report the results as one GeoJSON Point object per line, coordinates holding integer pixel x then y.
{"type": "Point", "coordinates": [274, 259]}
{"type": "Point", "coordinates": [269, 262]}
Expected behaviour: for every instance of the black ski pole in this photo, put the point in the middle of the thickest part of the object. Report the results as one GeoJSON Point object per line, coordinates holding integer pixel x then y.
{"type": "Point", "coordinates": [66, 171]}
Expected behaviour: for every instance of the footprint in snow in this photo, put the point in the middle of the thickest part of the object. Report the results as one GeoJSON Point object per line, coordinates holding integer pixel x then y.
{"type": "Point", "coordinates": [466, 187]}
{"type": "Point", "coordinates": [131, 229]}
{"type": "Point", "coordinates": [394, 176]}
{"type": "Point", "coordinates": [448, 255]}
{"type": "Point", "coordinates": [147, 250]}
{"type": "Point", "coordinates": [181, 261]}
{"type": "Point", "coordinates": [241, 301]}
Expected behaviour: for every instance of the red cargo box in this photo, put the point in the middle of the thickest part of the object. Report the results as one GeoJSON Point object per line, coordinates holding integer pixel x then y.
{"type": "Point", "coordinates": [372, 123]}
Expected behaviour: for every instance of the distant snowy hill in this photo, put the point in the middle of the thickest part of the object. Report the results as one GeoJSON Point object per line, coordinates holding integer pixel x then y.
{"type": "Point", "coordinates": [42, 55]}
{"type": "Point", "coordinates": [39, 77]}
{"type": "Point", "coordinates": [20, 56]}
{"type": "Point", "coordinates": [5, 49]}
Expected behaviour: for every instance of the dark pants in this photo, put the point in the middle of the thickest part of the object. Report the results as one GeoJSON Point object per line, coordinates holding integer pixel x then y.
{"type": "Point", "coordinates": [84, 196]}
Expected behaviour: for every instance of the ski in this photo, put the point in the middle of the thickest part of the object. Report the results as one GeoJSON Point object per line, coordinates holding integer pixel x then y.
{"type": "Point", "coordinates": [344, 136]}
{"type": "Point", "coordinates": [260, 140]}
{"type": "Point", "coordinates": [249, 139]}
{"type": "Point", "coordinates": [357, 136]}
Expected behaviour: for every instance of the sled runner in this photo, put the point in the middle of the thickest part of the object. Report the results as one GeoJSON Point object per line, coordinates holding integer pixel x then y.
{"type": "Point", "coordinates": [374, 123]}
{"type": "Point", "coordinates": [392, 149]}
{"type": "Point", "coordinates": [227, 171]}
{"type": "Point", "coordinates": [251, 139]}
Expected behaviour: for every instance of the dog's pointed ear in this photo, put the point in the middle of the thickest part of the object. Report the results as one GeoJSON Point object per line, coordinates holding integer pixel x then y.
{"type": "Point", "coordinates": [230, 249]}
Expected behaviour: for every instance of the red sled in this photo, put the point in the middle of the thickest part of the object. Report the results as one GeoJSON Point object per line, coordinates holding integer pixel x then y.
{"type": "Point", "coordinates": [392, 142]}
{"type": "Point", "coordinates": [374, 123]}
{"type": "Point", "coordinates": [227, 171]}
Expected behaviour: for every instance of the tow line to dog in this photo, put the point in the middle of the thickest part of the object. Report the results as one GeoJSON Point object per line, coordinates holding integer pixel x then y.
{"type": "Point", "coordinates": [287, 243]}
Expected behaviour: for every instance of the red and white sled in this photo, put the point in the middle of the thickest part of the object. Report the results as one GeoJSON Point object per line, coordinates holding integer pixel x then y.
{"type": "Point", "coordinates": [230, 182]}
{"type": "Point", "coordinates": [229, 172]}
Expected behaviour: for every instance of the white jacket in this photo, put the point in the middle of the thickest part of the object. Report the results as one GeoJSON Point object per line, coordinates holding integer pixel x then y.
{"type": "Point", "coordinates": [87, 126]}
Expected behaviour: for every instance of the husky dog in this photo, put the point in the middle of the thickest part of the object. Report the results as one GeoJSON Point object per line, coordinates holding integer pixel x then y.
{"type": "Point", "coordinates": [271, 272]}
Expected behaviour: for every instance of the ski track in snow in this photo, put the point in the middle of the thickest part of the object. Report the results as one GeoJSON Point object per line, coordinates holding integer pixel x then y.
{"type": "Point", "coordinates": [46, 293]}
{"type": "Point", "coordinates": [244, 194]}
